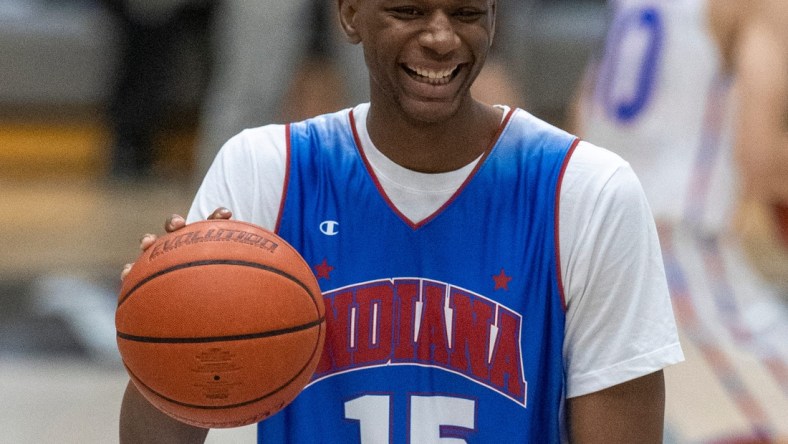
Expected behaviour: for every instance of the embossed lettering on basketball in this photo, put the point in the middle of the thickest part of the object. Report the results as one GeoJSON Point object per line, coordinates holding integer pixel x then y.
{"type": "Point", "coordinates": [220, 324]}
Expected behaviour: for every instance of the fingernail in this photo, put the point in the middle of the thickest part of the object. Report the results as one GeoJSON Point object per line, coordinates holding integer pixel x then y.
{"type": "Point", "coordinates": [125, 272]}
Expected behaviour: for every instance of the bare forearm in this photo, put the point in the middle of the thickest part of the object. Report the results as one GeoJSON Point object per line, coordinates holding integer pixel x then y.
{"type": "Point", "coordinates": [630, 412]}
{"type": "Point", "coordinates": [141, 423]}
{"type": "Point", "coordinates": [762, 129]}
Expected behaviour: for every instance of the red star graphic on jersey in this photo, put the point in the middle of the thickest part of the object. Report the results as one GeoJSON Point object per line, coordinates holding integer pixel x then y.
{"type": "Point", "coordinates": [502, 281]}
{"type": "Point", "coordinates": [323, 270]}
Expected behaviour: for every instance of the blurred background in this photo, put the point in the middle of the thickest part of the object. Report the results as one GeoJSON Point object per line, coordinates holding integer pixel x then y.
{"type": "Point", "coordinates": [107, 113]}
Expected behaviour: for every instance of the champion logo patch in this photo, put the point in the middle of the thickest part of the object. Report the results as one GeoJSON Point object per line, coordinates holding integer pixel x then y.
{"type": "Point", "coordinates": [329, 227]}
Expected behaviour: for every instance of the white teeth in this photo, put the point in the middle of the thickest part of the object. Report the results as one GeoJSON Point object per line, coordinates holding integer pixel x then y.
{"type": "Point", "coordinates": [432, 74]}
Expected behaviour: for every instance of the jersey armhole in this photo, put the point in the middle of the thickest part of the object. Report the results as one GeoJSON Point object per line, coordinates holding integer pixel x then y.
{"type": "Point", "coordinates": [288, 154]}
{"type": "Point", "coordinates": [556, 227]}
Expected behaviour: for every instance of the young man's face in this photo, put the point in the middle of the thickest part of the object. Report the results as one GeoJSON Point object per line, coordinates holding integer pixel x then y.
{"type": "Point", "coordinates": [422, 55]}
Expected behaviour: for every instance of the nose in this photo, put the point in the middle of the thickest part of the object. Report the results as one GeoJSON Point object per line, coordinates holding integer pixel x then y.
{"type": "Point", "coordinates": [440, 35]}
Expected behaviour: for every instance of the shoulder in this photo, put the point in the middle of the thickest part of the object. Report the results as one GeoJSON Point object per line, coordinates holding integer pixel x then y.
{"type": "Point", "coordinates": [589, 160]}
{"type": "Point", "coordinates": [247, 176]}
{"type": "Point", "coordinates": [332, 120]}
{"type": "Point", "coordinates": [261, 143]}
{"type": "Point", "coordinates": [598, 190]}
{"type": "Point", "coordinates": [252, 140]}
{"type": "Point", "coordinates": [528, 128]}
{"type": "Point", "coordinates": [593, 170]}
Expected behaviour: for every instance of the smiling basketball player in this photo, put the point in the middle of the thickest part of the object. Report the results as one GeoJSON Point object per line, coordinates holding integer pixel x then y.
{"type": "Point", "coordinates": [487, 277]}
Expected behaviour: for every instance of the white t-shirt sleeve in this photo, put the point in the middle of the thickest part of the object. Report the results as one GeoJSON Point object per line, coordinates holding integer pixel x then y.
{"type": "Point", "coordinates": [246, 177]}
{"type": "Point", "coordinates": [619, 320]}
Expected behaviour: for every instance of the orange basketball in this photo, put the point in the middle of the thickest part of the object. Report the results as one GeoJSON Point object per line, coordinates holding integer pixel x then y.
{"type": "Point", "coordinates": [220, 324]}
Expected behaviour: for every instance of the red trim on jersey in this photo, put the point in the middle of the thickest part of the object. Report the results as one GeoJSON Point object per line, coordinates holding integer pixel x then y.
{"type": "Point", "coordinates": [426, 220]}
{"type": "Point", "coordinates": [559, 274]}
{"type": "Point", "coordinates": [287, 177]}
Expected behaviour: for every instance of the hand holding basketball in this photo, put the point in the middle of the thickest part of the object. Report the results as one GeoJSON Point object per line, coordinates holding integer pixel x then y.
{"type": "Point", "coordinates": [219, 323]}
{"type": "Point", "coordinates": [173, 223]}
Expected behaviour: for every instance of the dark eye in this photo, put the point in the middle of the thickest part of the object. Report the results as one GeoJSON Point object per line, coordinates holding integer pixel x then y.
{"type": "Point", "coordinates": [406, 12]}
{"type": "Point", "coordinates": [469, 15]}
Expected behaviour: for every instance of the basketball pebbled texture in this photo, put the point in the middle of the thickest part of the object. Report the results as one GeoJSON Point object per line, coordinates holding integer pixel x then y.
{"type": "Point", "coordinates": [220, 324]}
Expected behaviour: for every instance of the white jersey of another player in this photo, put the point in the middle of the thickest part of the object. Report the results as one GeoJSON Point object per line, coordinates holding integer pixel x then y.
{"type": "Point", "coordinates": [659, 100]}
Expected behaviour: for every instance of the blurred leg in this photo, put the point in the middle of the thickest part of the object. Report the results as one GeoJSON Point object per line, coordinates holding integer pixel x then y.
{"type": "Point", "coordinates": [258, 47]}
{"type": "Point", "coordinates": [138, 103]}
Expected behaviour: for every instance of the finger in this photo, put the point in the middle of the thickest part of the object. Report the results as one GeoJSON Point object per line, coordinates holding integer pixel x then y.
{"type": "Point", "coordinates": [221, 213]}
{"type": "Point", "coordinates": [146, 241]}
{"type": "Point", "coordinates": [174, 222]}
{"type": "Point", "coordinates": [125, 272]}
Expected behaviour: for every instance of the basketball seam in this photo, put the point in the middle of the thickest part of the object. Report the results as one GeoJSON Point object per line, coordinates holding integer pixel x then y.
{"type": "Point", "coordinates": [208, 339]}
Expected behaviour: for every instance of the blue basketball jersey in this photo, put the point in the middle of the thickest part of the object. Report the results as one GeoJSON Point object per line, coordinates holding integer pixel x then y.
{"type": "Point", "coordinates": [449, 328]}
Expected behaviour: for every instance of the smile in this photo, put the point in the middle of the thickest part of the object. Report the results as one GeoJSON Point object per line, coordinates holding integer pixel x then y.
{"type": "Point", "coordinates": [432, 76]}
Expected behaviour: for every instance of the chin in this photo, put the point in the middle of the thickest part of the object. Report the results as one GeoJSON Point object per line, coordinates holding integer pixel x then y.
{"type": "Point", "coordinates": [430, 111]}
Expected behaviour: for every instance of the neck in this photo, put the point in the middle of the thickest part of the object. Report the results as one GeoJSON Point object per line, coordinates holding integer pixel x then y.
{"type": "Point", "coordinates": [434, 147]}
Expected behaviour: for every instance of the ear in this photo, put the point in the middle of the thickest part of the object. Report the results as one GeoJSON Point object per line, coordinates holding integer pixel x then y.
{"type": "Point", "coordinates": [347, 18]}
{"type": "Point", "coordinates": [494, 9]}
